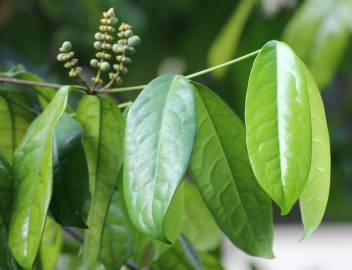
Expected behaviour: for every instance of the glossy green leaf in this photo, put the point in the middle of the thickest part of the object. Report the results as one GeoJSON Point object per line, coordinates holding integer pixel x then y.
{"type": "Point", "coordinates": [225, 44]}
{"type": "Point", "coordinates": [103, 126]}
{"type": "Point", "coordinates": [199, 226]}
{"type": "Point", "coordinates": [319, 33]}
{"type": "Point", "coordinates": [45, 94]}
{"type": "Point", "coordinates": [315, 195]}
{"type": "Point", "coordinates": [279, 130]}
{"type": "Point", "coordinates": [71, 183]}
{"type": "Point", "coordinates": [6, 190]}
{"type": "Point", "coordinates": [223, 174]}
{"type": "Point", "coordinates": [14, 120]}
{"type": "Point", "coordinates": [160, 130]}
{"type": "Point", "coordinates": [33, 179]}
{"type": "Point", "coordinates": [51, 245]}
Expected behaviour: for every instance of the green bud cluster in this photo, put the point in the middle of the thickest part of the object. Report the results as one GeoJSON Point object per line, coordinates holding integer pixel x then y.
{"type": "Point", "coordinates": [107, 49]}
{"type": "Point", "coordinates": [124, 47]}
{"type": "Point", "coordinates": [66, 56]}
{"type": "Point", "coordinates": [102, 44]}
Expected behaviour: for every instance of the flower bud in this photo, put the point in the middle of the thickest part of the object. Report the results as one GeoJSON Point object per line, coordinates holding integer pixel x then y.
{"type": "Point", "coordinates": [94, 63]}
{"type": "Point", "coordinates": [111, 12]}
{"type": "Point", "coordinates": [97, 45]}
{"type": "Point", "coordinates": [128, 33]}
{"type": "Point", "coordinates": [105, 66]}
{"type": "Point", "coordinates": [131, 50]}
{"type": "Point", "coordinates": [66, 46]}
{"type": "Point", "coordinates": [134, 41]}
{"type": "Point", "coordinates": [98, 36]}
{"type": "Point", "coordinates": [60, 57]}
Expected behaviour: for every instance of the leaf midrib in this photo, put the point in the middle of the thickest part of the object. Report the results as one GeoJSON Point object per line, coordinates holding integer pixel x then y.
{"type": "Point", "coordinates": [228, 166]}
{"type": "Point", "coordinates": [158, 147]}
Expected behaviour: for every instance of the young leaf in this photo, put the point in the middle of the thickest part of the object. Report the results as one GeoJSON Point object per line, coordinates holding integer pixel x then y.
{"type": "Point", "coordinates": [279, 131]}
{"type": "Point", "coordinates": [160, 130]}
{"type": "Point", "coordinates": [14, 121]}
{"type": "Point", "coordinates": [6, 189]}
{"type": "Point", "coordinates": [45, 94]}
{"type": "Point", "coordinates": [33, 178]}
{"type": "Point", "coordinates": [324, 37]}
{"type": "Point", "coordinates": [223, 174]}
{"type": "Point", "coordinates": [71, 183]}
{"type": "Point", "coordinates": [199, 226]}
{"type": "Point", "coordinates": [103, 126]}
{"type": "Point", "coordinates": [51, 245]}
{"type": "Point", "coordinates": [225, 45]}
{"type": "Point", "coordinates": [315, 195]}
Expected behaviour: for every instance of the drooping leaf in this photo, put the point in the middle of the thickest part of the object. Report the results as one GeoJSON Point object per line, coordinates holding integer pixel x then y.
{"type": "Point", "coordinates": [315, 195]}
{"type": "Point", "coordinates": [319, 33]}
{"type": "Point", "coordinates": [119, 239]}
{"type": "Point", "coordinates": [199, 226]}
{"type": "Point", "coordinates": [160, 130]}
{"type": "Point", "coordinates": [279, 130]}
{"type": "Point", "coordinates": [14, 121]}
{"type": "Point", "coordinates": [6, 190]}
{"type": "Point", "coordinates": [71, 183]}
{"type": "Point", "coordinates": [33, 179]}
{"type": "Point", "coordinates": [223, 174]}
{"type": "Point", "coordinates": [51, 245]}
{"type": "Point", "coordinates": [225, 45]}
{"type": "Point", "coordinates": [103, 126]}
{"type": "Point", "coordinates": [45, 94]}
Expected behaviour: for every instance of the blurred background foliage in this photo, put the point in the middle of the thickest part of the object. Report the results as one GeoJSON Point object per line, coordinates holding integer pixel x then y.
{"type": "Point", "coordinates": [183, 36]}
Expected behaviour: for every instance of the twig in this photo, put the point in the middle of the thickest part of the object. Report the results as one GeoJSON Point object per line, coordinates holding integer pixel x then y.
{"type": "Point", "coordinates": [125, 89]}
{"type": "Point", "coordinates": [74, 234]}
{"type": "Point", "coordinates": [31, 83]}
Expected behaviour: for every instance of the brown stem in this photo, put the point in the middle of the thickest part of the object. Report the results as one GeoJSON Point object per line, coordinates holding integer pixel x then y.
{"type": "Point", "coordinates": [32, 83]}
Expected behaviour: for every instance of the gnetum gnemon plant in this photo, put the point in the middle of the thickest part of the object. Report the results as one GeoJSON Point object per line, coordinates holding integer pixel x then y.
{"type": "Point", "coordinates": [153, 186]}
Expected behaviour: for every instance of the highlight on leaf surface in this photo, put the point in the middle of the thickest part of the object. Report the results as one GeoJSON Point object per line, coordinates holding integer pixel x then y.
{"type": "Point", "coordinates": [287, 135]}
{"type": "Point", "coordinates": [33, 181]}
{"type": "Point", "coordinates": [160, 130]}
{"type": "Point", "coordinates": [278, 122]}
{"type": "Point", "coordinates": [223, 174]}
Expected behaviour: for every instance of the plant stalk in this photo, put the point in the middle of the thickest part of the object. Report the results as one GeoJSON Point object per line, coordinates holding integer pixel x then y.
{"type": "Point", "coordinates": [130, 88]}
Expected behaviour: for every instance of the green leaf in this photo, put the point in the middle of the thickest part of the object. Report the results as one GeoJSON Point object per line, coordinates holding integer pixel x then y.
{"type": "Point", "coordinates": [150, 249]}
{"type": "Point", "coordinates": [6, 190]}
{"type": "Point", "coordinates": [225, 45]}
{"type": "Point", "coordinates": [315, 195]}
{"type": "Point", "coordinates": [45, 94]}
{"type": "Point", "coordinates": [199, 226]}
{"type": "Point", "coordinates": [103, 126]}
{"type": "Point", "coordinates": [71, 183]}
{"type": "Point", "coordinates": [51, 245]}
{"type": "Point", "coordinates": [209, 262]}
{"type": "Point", "coordinates": [223, 174]}
{"type": "Point", "coordinates": [14, 121]}
{"type": "Point", "coordinates": [279, 130]}
{"type": "Point", "coordinates": [319, 34]}
{"type": "Point", "coordinates": [160, 130]}
{"type": "Point", "coordinates": [119, 240]}
{"type": "Point", "coordinates": [33, 178]}
{"type": "Point", "coordinates": [174, 259]}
